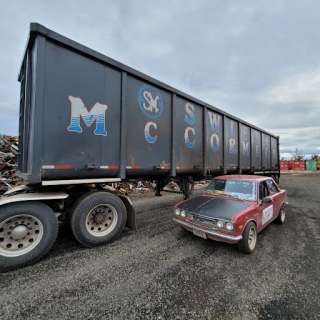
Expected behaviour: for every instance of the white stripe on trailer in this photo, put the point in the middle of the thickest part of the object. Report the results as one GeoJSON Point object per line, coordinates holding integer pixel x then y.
{"type": "Point", "coordinates": [109, 167]}
{"type": "Point", "coordinates": [47, 167]}
{"type": "Point", "coordinates": [78, 181]}
{"type": "Point", "coordinates": [57, 166]}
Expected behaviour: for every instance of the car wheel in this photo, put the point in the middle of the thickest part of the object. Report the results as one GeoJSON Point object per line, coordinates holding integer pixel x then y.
{"type": "Point", "coordinates": [28, 231]}
{"type": "Point", "coordinates": [281, 216]}
{"type": "Point", "coordinates": [98, 218]}
{"type": "Point", "coordinates": [249, 240]}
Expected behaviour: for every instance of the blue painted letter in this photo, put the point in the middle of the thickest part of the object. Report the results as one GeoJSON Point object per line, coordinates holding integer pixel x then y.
{"type": "Point", "coordinates": [97, 113]}
{"type": "Point", "coordinates": [147, 135]}
{"type": "Point", "coordinates": [189, 110]}
{"type": "Point", "coordinates": [189, 144]}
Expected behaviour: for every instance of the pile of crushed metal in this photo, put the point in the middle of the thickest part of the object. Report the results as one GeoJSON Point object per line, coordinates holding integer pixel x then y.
{"type": "Point", "coordinates": [8, 162]}
{"type": "Point", "coordinates": [138, 189]}
{"type": "Point", "coordinates": [146, 188]}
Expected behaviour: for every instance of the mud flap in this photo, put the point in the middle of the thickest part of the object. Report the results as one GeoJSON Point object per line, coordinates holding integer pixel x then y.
{"type": "Point", "coordinates": [131, 213]}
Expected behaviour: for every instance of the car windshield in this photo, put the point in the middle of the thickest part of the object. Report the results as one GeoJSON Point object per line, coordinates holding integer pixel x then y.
{"type": "Point", "coordinates": [244, 190]}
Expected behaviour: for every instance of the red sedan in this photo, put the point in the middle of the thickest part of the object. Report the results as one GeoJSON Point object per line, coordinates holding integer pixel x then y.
{"type": "Point", "coordinates": [233, 209]}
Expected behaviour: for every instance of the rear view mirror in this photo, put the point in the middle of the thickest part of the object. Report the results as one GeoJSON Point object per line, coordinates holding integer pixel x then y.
{"type": "Point", "coordinates": [267, 200]}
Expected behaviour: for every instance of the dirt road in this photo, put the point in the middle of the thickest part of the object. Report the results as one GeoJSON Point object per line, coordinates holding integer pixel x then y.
{"type": "Point", "coordinates": [162, 272]}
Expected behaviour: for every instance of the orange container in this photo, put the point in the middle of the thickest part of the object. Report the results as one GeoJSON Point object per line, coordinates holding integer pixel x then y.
{"type": "Point", "coordinates": [291, 165]}
{"type": "Point", "coordinates": [284, 165]}
{"type": "Point", "coordinates": [299, 165]}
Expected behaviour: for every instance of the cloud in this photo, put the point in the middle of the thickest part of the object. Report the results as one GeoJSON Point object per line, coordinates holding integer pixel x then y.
{"type": "Point", "coordinates": [296, 86]}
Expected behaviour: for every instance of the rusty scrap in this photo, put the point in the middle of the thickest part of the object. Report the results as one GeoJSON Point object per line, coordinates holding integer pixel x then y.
{"type": "Point", "coordinates": [9, 147]}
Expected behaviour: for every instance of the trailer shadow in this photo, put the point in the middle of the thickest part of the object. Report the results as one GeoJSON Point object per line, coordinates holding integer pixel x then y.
{"type": "Point", "coordinates": [66, 242]}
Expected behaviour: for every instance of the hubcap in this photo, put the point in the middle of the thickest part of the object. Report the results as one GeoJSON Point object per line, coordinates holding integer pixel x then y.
{"type": "Point", "coordinates": [283, 215]}
{"type": "Point", "coordinates": [101, 220]}
{"type": "Point", "coordinates": [19, 234]}
{"type": "Point", "coordinates": [252, 238]}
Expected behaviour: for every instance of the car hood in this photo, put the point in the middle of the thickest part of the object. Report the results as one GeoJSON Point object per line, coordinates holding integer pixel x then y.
{"type": "Point", "coordinates": [214, 207]}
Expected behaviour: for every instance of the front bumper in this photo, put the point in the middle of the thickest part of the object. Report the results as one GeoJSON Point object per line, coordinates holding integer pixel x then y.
{"type": "Point", "coordinates": [210, 234]}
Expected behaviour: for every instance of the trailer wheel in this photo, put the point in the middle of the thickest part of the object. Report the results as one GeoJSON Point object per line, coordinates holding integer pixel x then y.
{"type": "Point", "coordinates": [98, 218]}
{"type": "Point", "coordinates": [28, 231]}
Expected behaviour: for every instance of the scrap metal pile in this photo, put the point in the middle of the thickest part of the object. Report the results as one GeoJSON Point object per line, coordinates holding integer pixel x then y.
{"type": "Point", "coordinates": [8, 163]}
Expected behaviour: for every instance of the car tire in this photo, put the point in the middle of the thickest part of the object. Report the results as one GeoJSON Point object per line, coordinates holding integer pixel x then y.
{"type": "Point", "coordinates": [36, 229]}
{"type": "Point", "coordinates": [249, 240]}
{"type": "Point", "coordinates": [281, 216]}
{"type": "Point", "coordinates": [98, 218]}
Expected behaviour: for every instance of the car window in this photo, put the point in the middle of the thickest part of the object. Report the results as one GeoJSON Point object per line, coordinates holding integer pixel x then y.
{"type": "Point", "coordinates": [272, 186]}
{"type": "Point", "coordinates": [263, 190]}
{"type": "Point", "coordinates": [241, 189]}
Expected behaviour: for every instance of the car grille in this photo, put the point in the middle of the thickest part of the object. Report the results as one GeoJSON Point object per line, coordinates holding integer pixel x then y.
{"type": "Point", "coordinates": [207, 222]}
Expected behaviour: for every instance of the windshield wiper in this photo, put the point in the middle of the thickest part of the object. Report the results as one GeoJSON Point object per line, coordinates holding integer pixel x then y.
{"type": "Point", "coordinates": [235, 197]}
{"type": "Point", "coordinates": [208, 192]}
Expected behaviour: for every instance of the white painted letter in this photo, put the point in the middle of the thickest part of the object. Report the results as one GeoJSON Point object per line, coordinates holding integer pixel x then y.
{"type": "Point", "coordinates": [214, 147]}
{"type": "Point", "coordinates": [186, 137]}
{"type": "Point", "coordinates": [214, 121]}
{"type": "Point", "coordinates": [232, 146]}
{"type": "Point", "coordinates": [97, 113]}
{"type": "Point", "coordinates": [189, 109]}
{"type": "Point", "coordinates": [147, 135]}
{"type": "Point", "coordinates": [245, 146]}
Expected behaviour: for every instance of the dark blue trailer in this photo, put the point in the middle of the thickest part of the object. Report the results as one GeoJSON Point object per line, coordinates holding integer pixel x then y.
{"type": "Point", "coordinates": [87, 120]}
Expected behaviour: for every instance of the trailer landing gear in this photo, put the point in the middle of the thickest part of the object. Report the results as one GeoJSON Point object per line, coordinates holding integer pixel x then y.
{"type": "Point", "coordinates": [187, 186]}
{"type": "Point", "coordinates": [159, 187]}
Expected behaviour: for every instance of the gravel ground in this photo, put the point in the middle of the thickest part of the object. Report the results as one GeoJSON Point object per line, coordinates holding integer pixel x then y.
{"type": "Point", "coordinates": [163, 272]}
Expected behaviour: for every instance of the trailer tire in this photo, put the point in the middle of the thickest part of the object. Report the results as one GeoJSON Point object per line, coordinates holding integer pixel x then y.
{"type": "Point", "coordinates": [98, 218]}
{"type": "Point", "coordinates": [36, 223]}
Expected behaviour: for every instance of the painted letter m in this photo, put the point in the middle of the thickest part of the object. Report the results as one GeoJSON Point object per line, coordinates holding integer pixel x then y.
{"type": "Point", "coordinates": [96, 114]}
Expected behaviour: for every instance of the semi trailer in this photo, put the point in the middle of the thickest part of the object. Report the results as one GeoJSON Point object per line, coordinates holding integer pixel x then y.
{"type": "Point", "coordinates": [87, 121]}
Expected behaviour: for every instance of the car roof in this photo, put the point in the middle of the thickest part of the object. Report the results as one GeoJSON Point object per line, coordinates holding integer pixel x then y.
{"type": "Point", "coordinates": [243, 177]}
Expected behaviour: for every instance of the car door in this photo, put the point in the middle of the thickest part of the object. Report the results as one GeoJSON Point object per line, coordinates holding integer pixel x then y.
{"type": "Point", "coordinates": [265, 210]}
{"type": "Point", "coordinates": [274, 193]}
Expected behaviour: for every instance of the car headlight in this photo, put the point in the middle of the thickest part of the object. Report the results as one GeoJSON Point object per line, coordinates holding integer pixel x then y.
{"type": "Point", "coordinates": [183, 214]}
{"type": "Point", "coordinates": [220, 224]}
{"type": "Point", "coordinates": [229, 226]}
{"type": "Point", "coordinates": [177, 211]}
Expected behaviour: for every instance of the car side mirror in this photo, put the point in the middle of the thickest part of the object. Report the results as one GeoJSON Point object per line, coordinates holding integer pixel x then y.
{"type": "Point", "coordinates": [266, 200]}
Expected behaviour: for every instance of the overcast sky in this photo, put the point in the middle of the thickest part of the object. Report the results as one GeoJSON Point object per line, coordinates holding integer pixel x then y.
{"type": "Point", "coordinates": [258, 60]}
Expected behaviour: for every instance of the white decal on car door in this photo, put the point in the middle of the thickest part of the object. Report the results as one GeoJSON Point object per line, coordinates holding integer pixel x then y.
{"type": "Point", "coordinates": [267, 214]}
